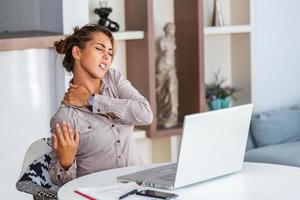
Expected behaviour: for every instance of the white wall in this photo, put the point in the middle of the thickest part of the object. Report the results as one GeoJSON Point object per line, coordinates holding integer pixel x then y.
{"type": "Point", "coordinates": [276, 72]}
{"type": "Point", "coordinates": [27, 93]}
{"type": "Point", "coordinates": [75, 13]}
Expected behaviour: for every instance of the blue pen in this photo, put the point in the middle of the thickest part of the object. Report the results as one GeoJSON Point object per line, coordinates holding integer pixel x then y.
{"type": "Point", "coordinates": [128, 193]}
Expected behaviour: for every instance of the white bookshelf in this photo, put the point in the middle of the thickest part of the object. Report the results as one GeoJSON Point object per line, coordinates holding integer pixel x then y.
{"type": "Point", "coordinates": [227, 29]}
{"type": "Point", "coordinates": [228, 47]}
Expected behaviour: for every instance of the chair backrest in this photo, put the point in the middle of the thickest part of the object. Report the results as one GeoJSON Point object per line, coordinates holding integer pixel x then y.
{"type": "Point", "coordinates": [35, 177]}
{"type": "Point", "coordinates": [35, 150]}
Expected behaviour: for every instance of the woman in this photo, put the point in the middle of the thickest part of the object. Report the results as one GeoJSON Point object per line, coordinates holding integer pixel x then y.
{"type": "Point", "coordinates": [100, 105]}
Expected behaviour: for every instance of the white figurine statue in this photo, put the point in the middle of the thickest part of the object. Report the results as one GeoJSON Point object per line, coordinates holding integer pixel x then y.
{"type": "Point", "coordinates": [166, 80]}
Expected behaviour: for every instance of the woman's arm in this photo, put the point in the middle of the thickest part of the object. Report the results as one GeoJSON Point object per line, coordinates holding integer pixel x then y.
{"type": "Point", "coordinates": [58, 174]}
{"type": "Point", "coordinates": [64, 147]}
{"type": "Point", "coordinates": [130, 107]}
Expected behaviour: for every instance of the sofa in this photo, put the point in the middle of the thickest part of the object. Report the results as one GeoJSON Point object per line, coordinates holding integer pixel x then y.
{"type": "Point", "coordinates": [274, 137]}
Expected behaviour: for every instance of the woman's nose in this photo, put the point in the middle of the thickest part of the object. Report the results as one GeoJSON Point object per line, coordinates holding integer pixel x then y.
{"type": "Point", "coordinates": [105, 55]}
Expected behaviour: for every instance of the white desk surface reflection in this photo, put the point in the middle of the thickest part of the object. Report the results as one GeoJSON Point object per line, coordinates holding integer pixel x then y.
{"type": "Point", "coordinates": [257, 181]}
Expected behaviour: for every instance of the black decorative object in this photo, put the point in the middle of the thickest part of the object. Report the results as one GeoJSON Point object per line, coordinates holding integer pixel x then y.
{"type": "Point", "coordinates": [103, 13]}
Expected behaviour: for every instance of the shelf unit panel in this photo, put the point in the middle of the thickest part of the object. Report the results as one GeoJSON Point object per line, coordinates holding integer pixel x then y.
{"type": "Point", "coordinates": [141, 58]}
{"type": "Point", "coordinates": [169, 131]}
{"type": "Point", "coordinates": [234, 12]}
{"type": "Point", "coordinates": [190, 56]}
{"type": "Point", "coordinates": [229, 47]}
{"type": "Point", "coordinates": [218, 57]}
{"type": "Point", "coordinates": [227, 29]}
{"type": "Point", "coordinates": [241, 67]}
{"type": "Point", "coordinates": [140, 54]}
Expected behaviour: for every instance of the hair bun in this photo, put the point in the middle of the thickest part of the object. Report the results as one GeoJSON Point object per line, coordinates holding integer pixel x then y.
{"type": "Point", "coordinates": [60, 46]}
{"type": "Point", "coordinates": [76, 29]}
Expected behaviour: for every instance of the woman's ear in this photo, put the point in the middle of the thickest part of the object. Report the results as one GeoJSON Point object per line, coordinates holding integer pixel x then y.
{"type": "Point", "coordinates": [76, 52]}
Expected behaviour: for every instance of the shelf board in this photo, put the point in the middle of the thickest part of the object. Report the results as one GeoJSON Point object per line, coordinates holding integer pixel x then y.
{"type": "Point", "coordinates": [42, 39]}
{"type": "Point", "coordinates": [27, 40]}
{"type": "Point", "coordinates": [128, 35]}
{"type": "Point", "coordinates": [169, 131]}
{"type": "Point", "coordinates": [139, 134]}
{"type": "Point", "coordinates": [227, 30]}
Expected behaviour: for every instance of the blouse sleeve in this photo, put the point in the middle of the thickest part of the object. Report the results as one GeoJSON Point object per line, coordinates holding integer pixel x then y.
{"type": "Point", "coordinates": [130, 107]}
{"type": "Point", "coordinates": [58, 174]}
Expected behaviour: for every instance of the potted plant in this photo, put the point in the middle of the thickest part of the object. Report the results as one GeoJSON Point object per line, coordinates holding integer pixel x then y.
{"type": "Point", "coordinates": [217, 95]}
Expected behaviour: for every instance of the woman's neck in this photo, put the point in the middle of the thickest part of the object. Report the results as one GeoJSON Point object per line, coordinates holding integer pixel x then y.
{"type": "Point", "coordinates": [81, 77]}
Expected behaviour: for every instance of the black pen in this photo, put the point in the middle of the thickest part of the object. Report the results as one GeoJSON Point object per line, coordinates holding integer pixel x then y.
{"type": "Point", "coordinates": [128, 193]}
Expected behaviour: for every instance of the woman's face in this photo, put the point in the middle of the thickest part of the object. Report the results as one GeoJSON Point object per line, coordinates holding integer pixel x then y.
{"type": "Point", "coordinates": [96, 57]}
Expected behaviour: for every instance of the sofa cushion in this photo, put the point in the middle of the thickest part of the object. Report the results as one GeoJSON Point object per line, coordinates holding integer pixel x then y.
{"type": "Point", "coordinates": [283, 154]}
{"type": "Point", "coordinates": [250, 142]}
{"type": "Point", "coordinates": [276, 127]}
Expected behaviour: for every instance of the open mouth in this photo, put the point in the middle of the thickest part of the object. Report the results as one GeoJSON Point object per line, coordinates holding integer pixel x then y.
{"type": "Point", "coordinates": [103, 66]}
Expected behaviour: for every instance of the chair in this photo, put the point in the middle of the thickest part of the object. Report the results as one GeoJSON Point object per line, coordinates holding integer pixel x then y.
{"type": "Point", "coordinates": [35, 177]}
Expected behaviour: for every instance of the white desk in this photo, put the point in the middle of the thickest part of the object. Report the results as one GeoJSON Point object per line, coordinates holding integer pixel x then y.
{"type": "Point", "coordinates": [255, 182]}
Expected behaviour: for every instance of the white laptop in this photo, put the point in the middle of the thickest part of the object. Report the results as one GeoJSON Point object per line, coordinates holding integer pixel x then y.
{"type": "Point", "coordinates": [213, 144]}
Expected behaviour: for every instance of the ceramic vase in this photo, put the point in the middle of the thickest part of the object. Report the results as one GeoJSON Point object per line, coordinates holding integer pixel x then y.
{"type": "Point", "coordinates": [218, 15]}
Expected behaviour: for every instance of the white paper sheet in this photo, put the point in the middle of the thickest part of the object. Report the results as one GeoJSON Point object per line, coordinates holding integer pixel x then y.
{"type": "Point", "coordinates": [109, 192]}
{"type": "Point", "coordinates": [114, 191]}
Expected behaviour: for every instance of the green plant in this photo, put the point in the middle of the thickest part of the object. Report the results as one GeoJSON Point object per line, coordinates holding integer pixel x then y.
{"type": "Point", "coordinates": [216, 89]}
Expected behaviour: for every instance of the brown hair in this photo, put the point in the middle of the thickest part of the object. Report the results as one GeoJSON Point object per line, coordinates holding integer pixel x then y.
{"type": "Point", "coordinates": [79, 38]}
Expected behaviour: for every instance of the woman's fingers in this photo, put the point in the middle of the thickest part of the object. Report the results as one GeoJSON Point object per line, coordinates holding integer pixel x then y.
{"type": "Point", "coordinates": [73, 85]}
{"type": "Point", "coordinates": [70, 130]}
{"type": "Point", "coordinates": [59, 134]}
{"type": "Point", "coordinates": [54, 141]}
{"type": "Point", "coordinates": [68, 98]}
{"type": "Point", "coordinates": [65, 135]}
{"type": "Point", "coordinates": [65, 132]}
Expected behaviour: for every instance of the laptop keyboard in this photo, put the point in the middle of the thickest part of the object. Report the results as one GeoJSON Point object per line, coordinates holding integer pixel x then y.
{"type": "Point", "coordinates": [168, 177]}
{"type": "Point", "coordinates": [154, 177]}
{"type": "Point", "coordinates": [168, 171]}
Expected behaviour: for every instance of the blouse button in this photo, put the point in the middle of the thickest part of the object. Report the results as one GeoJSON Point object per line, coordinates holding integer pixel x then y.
{"type": "Point", "coordinates": [118, 141]}
{"type": "Point", "coordinates": [112, 125]}
{"type": "Point", "coordinates": [98, 110]}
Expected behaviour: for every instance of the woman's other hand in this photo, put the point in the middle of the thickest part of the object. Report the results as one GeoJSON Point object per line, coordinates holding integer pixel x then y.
{"type": "Point", "coordinates": [65, 144]}
{"type": "Point", "coordinates": [77, 95]}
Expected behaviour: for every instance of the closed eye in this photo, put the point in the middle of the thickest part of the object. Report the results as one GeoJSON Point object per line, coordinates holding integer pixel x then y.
{"type": "Point", "coordinates": [100, 49]}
